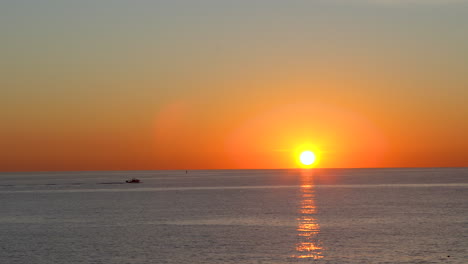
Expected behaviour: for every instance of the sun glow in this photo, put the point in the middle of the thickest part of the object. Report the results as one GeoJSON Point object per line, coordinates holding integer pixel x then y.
{"type": "Point", "coordinates": [307, 157]}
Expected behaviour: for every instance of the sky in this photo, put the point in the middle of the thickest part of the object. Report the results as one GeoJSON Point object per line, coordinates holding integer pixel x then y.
{"type": "Point", "coordinates": [245, 84]}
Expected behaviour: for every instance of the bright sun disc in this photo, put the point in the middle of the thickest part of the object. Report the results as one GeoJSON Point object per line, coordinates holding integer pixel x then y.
{"type": "Point", "coordinates": [307, 157]}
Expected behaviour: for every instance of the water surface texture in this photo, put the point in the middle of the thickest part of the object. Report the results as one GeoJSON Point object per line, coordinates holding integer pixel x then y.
{"type": "Point", "coordinates": [236, 216]}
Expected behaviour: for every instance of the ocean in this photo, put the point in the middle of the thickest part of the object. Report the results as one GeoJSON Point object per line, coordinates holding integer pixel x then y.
{"type": "Point", "coordinates": [236, 216]}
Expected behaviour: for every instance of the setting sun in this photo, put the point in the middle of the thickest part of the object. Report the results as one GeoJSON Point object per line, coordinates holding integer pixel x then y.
{"type": "Point", "coordinates": [307, 157]}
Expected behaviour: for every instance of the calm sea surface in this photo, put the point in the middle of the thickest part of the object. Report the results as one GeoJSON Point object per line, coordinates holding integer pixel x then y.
{"type": "Point", "coordinates": [236, 216]}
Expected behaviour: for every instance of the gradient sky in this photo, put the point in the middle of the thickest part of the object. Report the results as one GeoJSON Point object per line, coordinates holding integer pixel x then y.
{"type": "Point", "coordinates": [218, 84]}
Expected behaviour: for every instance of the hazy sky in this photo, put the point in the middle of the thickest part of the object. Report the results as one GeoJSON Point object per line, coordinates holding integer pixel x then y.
{"type": "Point", "coordinates": [204, 84]}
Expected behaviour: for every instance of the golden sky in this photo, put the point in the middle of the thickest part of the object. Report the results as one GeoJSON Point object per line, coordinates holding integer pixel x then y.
{"type": "Point", "coordinates": [123, 85]}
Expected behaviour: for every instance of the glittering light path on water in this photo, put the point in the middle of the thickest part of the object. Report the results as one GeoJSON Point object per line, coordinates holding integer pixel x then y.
{"type": "Point", "coordinates": [308, 246]}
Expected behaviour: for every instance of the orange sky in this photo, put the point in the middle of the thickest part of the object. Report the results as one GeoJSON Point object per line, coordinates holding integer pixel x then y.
{"type": "Point", "coordinates": [222, 85]}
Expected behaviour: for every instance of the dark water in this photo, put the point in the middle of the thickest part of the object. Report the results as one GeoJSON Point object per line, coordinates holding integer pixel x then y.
{"type": "Point", "coordinates": [236, 216]}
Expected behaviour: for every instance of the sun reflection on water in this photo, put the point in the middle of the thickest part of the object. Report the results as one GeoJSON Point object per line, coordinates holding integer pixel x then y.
{"type": "Point", "coordinates": [308, 246]}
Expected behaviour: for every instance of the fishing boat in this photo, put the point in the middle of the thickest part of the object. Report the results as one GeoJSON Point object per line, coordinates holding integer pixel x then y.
{"type": "Point", "coordinates": [133, 180]}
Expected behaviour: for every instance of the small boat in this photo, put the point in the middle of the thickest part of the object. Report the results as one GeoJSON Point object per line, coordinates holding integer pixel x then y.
{"type": "Point", "coordinates": [133, 180]}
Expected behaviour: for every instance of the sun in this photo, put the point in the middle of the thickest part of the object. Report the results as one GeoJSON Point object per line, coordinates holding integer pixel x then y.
{"type": "Point", "coordinates": [307, 157]}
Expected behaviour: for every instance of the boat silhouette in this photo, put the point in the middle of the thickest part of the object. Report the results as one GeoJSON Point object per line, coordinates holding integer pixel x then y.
{"type": "Point", "coordinates": [133, 180]}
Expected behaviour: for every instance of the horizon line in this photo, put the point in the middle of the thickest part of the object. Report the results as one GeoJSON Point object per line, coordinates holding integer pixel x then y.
{"type": "Point", "coordinates": [295, 168]}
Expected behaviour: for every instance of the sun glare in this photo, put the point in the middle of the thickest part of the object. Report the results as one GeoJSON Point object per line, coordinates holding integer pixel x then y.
{"type": "Point", "coordinates": [307, 157]}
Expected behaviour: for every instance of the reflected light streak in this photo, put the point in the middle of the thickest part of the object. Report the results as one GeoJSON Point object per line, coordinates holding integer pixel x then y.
{"type": "Point", "coordinates": [308, 246]}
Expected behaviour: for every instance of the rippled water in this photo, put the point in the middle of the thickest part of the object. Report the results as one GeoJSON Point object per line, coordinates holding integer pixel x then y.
{"type": "Point", "coordinates": [236, 216]}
